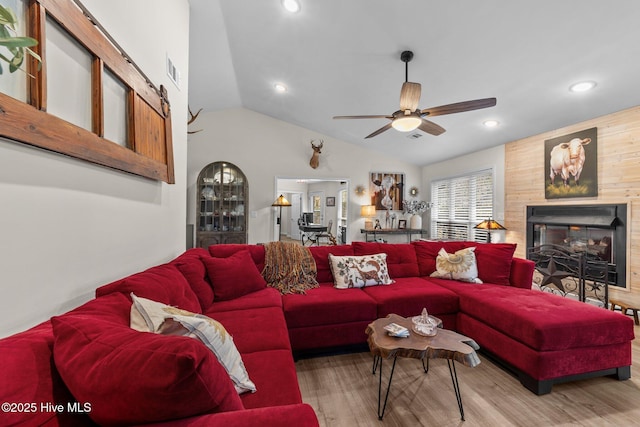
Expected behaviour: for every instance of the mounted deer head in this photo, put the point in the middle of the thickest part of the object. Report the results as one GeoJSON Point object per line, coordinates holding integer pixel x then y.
{"type": "Point", "coordinates": [315, 158]}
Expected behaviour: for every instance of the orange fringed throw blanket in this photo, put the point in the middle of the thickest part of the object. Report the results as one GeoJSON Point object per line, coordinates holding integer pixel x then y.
{"type": "Point", "coordinates": [289, 267]}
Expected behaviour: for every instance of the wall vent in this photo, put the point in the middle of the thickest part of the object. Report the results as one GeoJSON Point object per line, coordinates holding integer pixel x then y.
{"type": "Point", "coordinates": [173, 72]}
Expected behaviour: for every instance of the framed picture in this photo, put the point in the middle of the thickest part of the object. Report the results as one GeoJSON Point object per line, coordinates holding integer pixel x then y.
{"type": "Point", "coordinates": [387, 190]}
{"type": "Point", "coordinates": [402, 224]}
{"type": "Point", "coordinates": [331, 201]}
{"type": "Point", "coordinates": [571, 165]}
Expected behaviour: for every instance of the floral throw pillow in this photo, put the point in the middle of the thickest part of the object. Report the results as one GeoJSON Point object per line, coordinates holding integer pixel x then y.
{"type": "Point", "coordinates": [359, 271]}
{"type": "Point", "coordinates": [152, 316]}
{"type": "Point", "coordinates": [460, 265]}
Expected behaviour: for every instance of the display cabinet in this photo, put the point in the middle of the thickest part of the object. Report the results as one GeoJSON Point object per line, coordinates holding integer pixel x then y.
{"type": "Point", "coordinates": [222, 196]}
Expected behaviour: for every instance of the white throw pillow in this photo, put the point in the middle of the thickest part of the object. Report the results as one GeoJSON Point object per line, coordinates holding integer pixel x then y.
{"type": "Point", "coordinates": [359, 271]}
{"type": "Point", "coordinates": [152, 316]}
{"type": "Point", "coordinates": [457, 266]}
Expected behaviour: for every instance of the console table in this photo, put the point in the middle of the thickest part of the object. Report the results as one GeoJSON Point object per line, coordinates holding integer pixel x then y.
{"type": "Point", "coordinates": [387, 231]}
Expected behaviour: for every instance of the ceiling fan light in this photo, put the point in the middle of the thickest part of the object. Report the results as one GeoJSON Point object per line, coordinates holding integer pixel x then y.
{"type": "Point", "coordinates": [406, 124]}
{"type": "Point", "coordinates": [491, 123]}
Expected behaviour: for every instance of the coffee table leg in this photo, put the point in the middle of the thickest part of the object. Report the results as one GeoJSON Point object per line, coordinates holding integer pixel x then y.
{"type": "Point", "coordinates": [393, 368]}
{"type": "Point", "coordinates": [376, 363]}
{"type": "Point", "coordinates": [456, 387]}
{"type": "Point", "coordinates": [425, 368]}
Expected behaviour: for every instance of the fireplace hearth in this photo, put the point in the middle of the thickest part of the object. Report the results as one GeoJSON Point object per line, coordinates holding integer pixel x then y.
{"type": "Point", "coordinates": [596, 230]}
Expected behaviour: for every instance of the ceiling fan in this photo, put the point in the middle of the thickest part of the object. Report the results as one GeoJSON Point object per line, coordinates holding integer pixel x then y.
{"type": "Point", "coordinates": [409, 117]}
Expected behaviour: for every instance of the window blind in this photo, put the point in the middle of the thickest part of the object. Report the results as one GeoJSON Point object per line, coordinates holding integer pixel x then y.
{"type": "Point", "coordinates": [459, 204]}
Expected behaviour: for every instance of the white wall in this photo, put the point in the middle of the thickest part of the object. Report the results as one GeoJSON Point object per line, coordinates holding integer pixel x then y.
{"type": "Point", "coordinates": [265, 148]}
{"type": "Point", "coordinates": [68, 226]}
{"type": "Point", "coordinates": [490, 158]}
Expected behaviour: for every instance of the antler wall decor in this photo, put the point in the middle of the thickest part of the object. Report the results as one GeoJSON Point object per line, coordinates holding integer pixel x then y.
{"type": "Point", "coordinates": [193, 119]}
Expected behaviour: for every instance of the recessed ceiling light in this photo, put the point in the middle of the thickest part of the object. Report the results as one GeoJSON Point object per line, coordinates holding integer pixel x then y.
{"type": "Point", "coordinates": [292, 6]}
{"type": "Point", "coordinates": [582, 86]}
{"type": "Point", "coordinates": [280, 88]}
{"type": "Point", "coordinates": [491, 123]}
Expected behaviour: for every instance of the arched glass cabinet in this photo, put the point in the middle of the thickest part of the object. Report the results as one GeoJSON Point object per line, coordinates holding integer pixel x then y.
{"type": "Point", "coordinates": [222, 195]}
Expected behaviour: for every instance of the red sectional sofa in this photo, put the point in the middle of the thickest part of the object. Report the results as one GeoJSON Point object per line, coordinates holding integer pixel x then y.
{"type": "Point", "coordinates": [90, 355]}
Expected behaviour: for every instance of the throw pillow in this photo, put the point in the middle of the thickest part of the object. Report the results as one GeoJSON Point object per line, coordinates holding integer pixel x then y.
{"type": "Point", "coordinates": [192, 268]}
{"type": "Point", "coordinates": [133, 378]}
{"type": "Point", "coordinates": [494, 262]}
{"type": "Point", "coordinates": [234, 276]}
{"type": "Point", "coordinates": [151, 316]}
{"type": "Point", "coordinates": [460, 265]}
{"type": "Point", "coordinates": [359, 271]}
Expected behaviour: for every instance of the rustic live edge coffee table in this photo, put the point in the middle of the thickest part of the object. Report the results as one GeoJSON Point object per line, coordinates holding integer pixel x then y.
{"type": "Point", "coordinates": [444, 345]}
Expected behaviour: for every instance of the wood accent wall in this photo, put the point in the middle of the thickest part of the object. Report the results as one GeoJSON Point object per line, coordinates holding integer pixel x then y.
{"type": "Point", "coordinates": [618, 179]}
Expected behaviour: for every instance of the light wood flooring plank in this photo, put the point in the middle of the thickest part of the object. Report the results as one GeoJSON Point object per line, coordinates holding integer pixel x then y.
{"type": "Point", "coordinates": [343, 392]}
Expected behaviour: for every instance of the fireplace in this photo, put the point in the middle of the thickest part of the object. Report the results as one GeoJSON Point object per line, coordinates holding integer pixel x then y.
{"type": "Point", "coordinates": [597, 230]}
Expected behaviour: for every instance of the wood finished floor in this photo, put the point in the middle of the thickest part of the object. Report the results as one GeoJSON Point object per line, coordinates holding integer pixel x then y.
{"type": "Point", "coordinates": [343, 392]}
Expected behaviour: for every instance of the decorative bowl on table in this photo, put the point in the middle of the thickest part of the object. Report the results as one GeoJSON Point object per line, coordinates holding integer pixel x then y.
{"type": "Point", "coordinates": [424, 324]}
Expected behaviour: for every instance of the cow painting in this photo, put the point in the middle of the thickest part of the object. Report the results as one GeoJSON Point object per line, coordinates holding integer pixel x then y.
{"type": "Point", "coordinates": [567, 160]}
{"type": "Point", "coordinates": [570, 165]}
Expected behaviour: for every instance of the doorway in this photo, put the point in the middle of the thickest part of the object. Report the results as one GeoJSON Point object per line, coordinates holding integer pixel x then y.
{"type": "Point", "coordinates": [325, 198]}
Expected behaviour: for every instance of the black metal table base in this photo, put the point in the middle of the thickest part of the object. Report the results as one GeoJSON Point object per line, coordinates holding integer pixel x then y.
{"type": "Point", "coordinates": [377, 364]}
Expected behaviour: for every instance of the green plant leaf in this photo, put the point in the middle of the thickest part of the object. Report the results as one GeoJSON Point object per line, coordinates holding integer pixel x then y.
{"type": "Point", "coordinates": [7, 17]}
{"type": "Point", "coordinates": [36, 56]}
{"type": "Point", "coordinates": [18, 41]}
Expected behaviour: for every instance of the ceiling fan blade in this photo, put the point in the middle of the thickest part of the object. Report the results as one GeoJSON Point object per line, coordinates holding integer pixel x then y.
{"type": "Point", "coordinates": [430, 127]}
{"type": "Point", "coordinates": [379, 131]}
{"type": "Point", "coordinates": [460, 107]}
{"type": "Point", "coordinates": [363, 117]}
{"type": "Point", "coordinates": [410, 96]}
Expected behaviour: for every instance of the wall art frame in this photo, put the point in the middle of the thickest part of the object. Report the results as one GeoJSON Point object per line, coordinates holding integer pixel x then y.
{"type": "Point", "coordinates": [571, 165]}
{"type": "Point", "coordinates": [387, 190]}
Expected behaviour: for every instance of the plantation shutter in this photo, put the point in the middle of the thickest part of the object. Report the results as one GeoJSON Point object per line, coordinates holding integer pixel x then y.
{"type": "Point", "coordinates": [459, 204]}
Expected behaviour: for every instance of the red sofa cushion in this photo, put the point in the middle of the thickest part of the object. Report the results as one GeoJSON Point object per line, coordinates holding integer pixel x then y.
{"type": "Point", "coordinates": [234, 276]}
{"type": "Point", "coordinates": [132, 377]}
{"type": "Point", "coordinates": [268, 297]}
{"type": "Point", "coordinates": [277, 385]}
{"type": "Point", "coordinates": [226, 250]}
{"type": "Point", "coordinates": [192, 268]}
{"type": "Point", "coordinates": [541, 320]}
{"type": "Point", "coordinates": [409, 295]}
{"type": "Point", "coordinates": [494, 262]}
{"type": "Point", "coordinates": [321, 256]}
{"type": "Point", "coordinates": [163, 283]}
{"type": "Point", "coordinates": [493, 259]}
{"type": "Point", "coordinates": [28, 376]}
{"type": "Point", "coordinates": [427, 251]}
{"type": "Point", "coordinates": [326, 305]}
{"type": "Point", "coordinates": [401, 257]}
{"type": "Point", "coordinates": [258, 329]}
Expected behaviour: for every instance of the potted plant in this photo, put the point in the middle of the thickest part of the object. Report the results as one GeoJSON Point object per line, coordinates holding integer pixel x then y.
{"type": "Point", "coordinates": [415, 208]}
{"type": "Point", "coordinates": [17, 46]}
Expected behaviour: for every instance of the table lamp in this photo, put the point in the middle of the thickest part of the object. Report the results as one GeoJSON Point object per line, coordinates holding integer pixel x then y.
{"type": "Point", "coordinates": [368, 212]}
{"type": "Point", "coordinates": [489, 225]}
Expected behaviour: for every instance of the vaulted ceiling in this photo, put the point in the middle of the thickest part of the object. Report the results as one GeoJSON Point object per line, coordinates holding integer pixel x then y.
{"type": "Point", "coordinates": [340, 57]}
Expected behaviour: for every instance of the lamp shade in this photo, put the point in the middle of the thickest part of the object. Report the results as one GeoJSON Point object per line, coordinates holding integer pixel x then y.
{"type": "Point", "coordinates": [489, 224]}
{"type": "Point", "coordinates": [406, 123]}
{"type": "Point", "coordinates": [281, 201]}
{"type": "Point", "coordinates": [367, 211]}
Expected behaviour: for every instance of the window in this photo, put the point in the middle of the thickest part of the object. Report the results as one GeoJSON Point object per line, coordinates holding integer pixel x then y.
{"type": "Point", "coordinates": [459, 204]}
